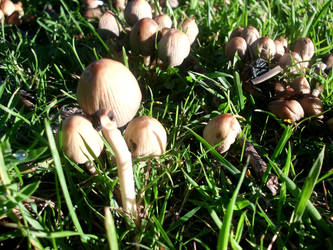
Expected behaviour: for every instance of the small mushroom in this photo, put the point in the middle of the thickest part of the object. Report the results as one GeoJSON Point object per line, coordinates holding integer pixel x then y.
{"type": "Point", "coordinates": [301, 84]}
{"type": "Point", "coordinates": [292, 60]}
{"type": "Point", "coordinates": [108, 25]}
{"type": "Point", "coordinates": [145, 136]}
{"type": "Point", "coordinates": [8, 7]}
{"type": "Point", "coordinates": [163, 21]}
{"type": "Point", "coordinates": [311, 105]}
{"type": "Point", "coordinates": [329, 62]}
{"type": "Point", "coordinates": [223, 128]}
{"type": "Point", "coordinates": [77, 132]}
{"type": "Point", "coordinates": [92, 9]}
{"type": "Point", "coordinates": [172, 3]}
{"type": "Point", "coordinates": [305, 48]}
{"type": "Point", "coordinates": [173, 47]}
{"type": "Point", "coordinates": [190, 28]}
{"type": "Point", "coordinates": [136, 10]}
{"type": "Point", "coordinates": [236, 44]}
{"type": "Point", "coordinates": [236, 32]}
{"type": "Point", "coordinates": [264, 48]}
{"type": "Point", "coordinates": [280, 49]}
{"type": "Point", "coordinates": [110, 91]}
{"type": "Point", "coordinates": [287, 109]}
{"type": "Point", "coordinates": [250, 34]}
{"type": "Point", "coordinates": [142, 37]}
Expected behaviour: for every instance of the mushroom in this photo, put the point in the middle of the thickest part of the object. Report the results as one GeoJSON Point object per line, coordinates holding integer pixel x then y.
{"type": "Point", "coordinates": [236, 44]}
{"type": "Point", "coordinates": [301, 84]}
{"type": "Point", "coordinates": [108, 25]}
{"type": "Point", "coordinates": [311, 105]}
{"type": "Point", "coordinates": [142, 37]}
{"type": "Point", "coordinates": [264, 48]}
{"type": "Point", "coordinates": [329, 62]}
{"type": "Point", "coordinates": [190, 28]}
{"type": "Point", "coordinates": [250, 34]}
{"type": "Point", "coordinates": [224, 128]}
{"type": "Point", "coordinates": [8, 7]}
{"type": "Point", "coordinates": [287, 109]}
{"type": "Point", "coordinates": [136, 10]}
{"type": "Point", "coordinates": [92, 8]}
{"type": "Point", "coordinates": [305, 48]}
{"type": "Point", "coordinates": [173, 47]}
{"type": "Point", "coordinates": [163, 21]}
{"type": "Point", "coordinates": [109, 90]}
{"type": "Point", "coordinates": [77, 132]}
{"type": "Point", "coordinates": [145, 136]}
{"type": "Point", "coordinates": [172, 3]}
{"type": "Point", "coordinates": [236, 32]}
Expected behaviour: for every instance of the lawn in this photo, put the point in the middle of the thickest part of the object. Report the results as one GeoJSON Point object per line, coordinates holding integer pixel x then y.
{"type": "Point", "coordinates": [191, 197]}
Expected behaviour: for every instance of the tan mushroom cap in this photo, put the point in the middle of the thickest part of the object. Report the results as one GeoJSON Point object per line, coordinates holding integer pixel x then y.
{"type": "Point", "coordinates": [145, 136]}
{"type": "Point", "coordinates": [305, 48]}
{"type": "Point", "coordinates": [190, 28]}
{"type": "Point", "coordinates": [224, 128]}
{"type": "Point", "coordinates": [163, 21]}
{"type": "Point", "coordinates": [108, 25]}
{"type": "Point", "coordinates": [76, 130]}
{"type": "Point", "coordinates": [301, 84]}
{"type": "Point", "coordinates": [250, 34]}
{"type": "Point", "coordinates": [263, 47]}
{"type": "Point", "coordinates": [136, 10]}
{"type": "Point", "coordinates": [236, 44]}
{"type": "Point", "coordinates": [287, 109]}
{"type": "Point", "coordinates": [108, 84]}
{"type": "Point", "coordinates": [8, 7]}
{"type": "Point", "coordinates": [173, 47]}
{"type": "Point", "coordinates": [142, 37]}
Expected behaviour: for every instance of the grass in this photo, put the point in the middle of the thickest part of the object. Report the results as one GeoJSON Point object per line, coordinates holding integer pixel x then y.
{"type": "Point", "coordinates": [192, 197]}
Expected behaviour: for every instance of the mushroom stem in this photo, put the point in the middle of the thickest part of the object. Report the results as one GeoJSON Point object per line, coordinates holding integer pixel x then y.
{"type": "Point", "coordinates": [268, 75]}
{"type": "Point", "coordinates": [259, 166]}
{"type": "Point", "coordinates": [124, 162]}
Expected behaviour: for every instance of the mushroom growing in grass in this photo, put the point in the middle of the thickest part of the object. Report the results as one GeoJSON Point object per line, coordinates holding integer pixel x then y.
{"type": "Point", "coordinates": [236, 32]}
{"type": "Point", "coordinates": [250, 34]}
{"type": "Point", "coordinates": [263, 47]}
{"type": "Point", "coordinates": [287, 109]}
{"type": "Point", "coordinates": [224, 130]}
{"type": "Point", "coordinates": [145, 136]}
{"type": "Point", "coordinates": [77, 133]}
{"type": "Point", "coordinates": [163, 21]}
{"type": "Point", "coordinates": [173, 47]}
{"type": "Point", "coordinates": [136, 10]}
{"type": "Point", "coordinates": [305, 48]}
{"type": "Point", "coordinates": [236, 44]}
{"type": "Point", "coordinates": [190, 28]}
{"type": "Point", "coordinates": [142, 38]}
{"type": "Point", "coordinates": [110, 89]}
{"type": "Point", "coordinates": [108, 25]}
{"type": "Point", "coordinates": [301, 84]}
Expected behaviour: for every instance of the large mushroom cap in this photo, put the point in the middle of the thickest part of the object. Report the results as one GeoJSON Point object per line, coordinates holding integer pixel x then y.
{"type": "Point", "coordinates": [108, 84]}
{"type": "Point", "coordinates": [145, 136]}
{"type": "Point", "coordinates": [76, 131]}
{"type": "Point", "coordinates": [224, 128]}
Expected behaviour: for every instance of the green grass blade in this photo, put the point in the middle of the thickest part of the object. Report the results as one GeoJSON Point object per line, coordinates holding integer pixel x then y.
{"type": "Point", "coordinates": [231, 168]}
{"type": "Point", "coordinates": [310, 208]}
{"type": "Point", "coordinates": [307, 190]}
{"type": "Point", "coordinates": [163, 233]}
{"type": "Point", "coordinates": [110, 228]}
{"type": "Point", "coordinates": [224, 234]}
{"type": "Point", "coordinates": [61, 176]}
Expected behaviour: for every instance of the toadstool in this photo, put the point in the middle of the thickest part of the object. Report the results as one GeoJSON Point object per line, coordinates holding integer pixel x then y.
{"type": "Point", "coordinates": [77, 131]}
{"type": "Point", "coordinates": [236, 44]}
{"type": "Point", "coordinates": [190, 28]}
{"type": "Point", "coordinates": [136, 10]}
{"type": "Point", "coordinates": [107, 87]}
{"type": "Point", "coordinates": [145, 136]}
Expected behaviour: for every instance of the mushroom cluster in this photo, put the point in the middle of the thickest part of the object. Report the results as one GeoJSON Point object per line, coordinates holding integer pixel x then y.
{"type": "Point", "coordinates": [293, 98]}
{"type": "Point", "coordinates": [109, 95]}
{"type": "Point", "coordinates": [145, 30]}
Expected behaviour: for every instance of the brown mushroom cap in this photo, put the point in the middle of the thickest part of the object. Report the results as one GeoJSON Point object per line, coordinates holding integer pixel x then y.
{"type": "Point", "coordinates": [190, 28]}
{"type": "Point", "coordinates": [329, 62]}
{"type": "Point", "coordinates": [145, 136]}
{"type": "Point", "coordinates": [305, 48]}
{"type": "Point", "coordinates": [142, 37]}
{"type": "Point", "coordinates": [76, 131]}
{"type": "Point", "coordinates": [311, 105]}
{"type": "Point", "coordinates": [236, 44]}
{"type": "Point", "coordinates": [263, 47]}
{"type": "Point", "coordinates": [236, 32]}
{"type": "Point", "coordinates": [250, 34]}
{"type": "Point", "coordinates": [173, 47]}
{"type": "Point", "coordinates": [224, 128]}
{"type": "Point", "coordinates": [108, 84]}
{"type": "Point", "coordinates": [280, 49]}
{"type": "Point", "coordinates": [301, 84]}
{"type": "Point", "coordinates": [287, 109]}
{"type": "Point", "coordinates": [163, 21]}
{"type": "Point", "coordinates": [108, 25]}
{"type": "Point", "coordinates": [293, 60]}
{"type": "Point", "coordinates": [136, 10]}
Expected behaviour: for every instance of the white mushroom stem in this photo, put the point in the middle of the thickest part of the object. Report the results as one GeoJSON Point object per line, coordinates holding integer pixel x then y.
{"type": "Point", "coordinates": [268, 75]}
{"type": "Point", "coordinates": [124, 163]}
